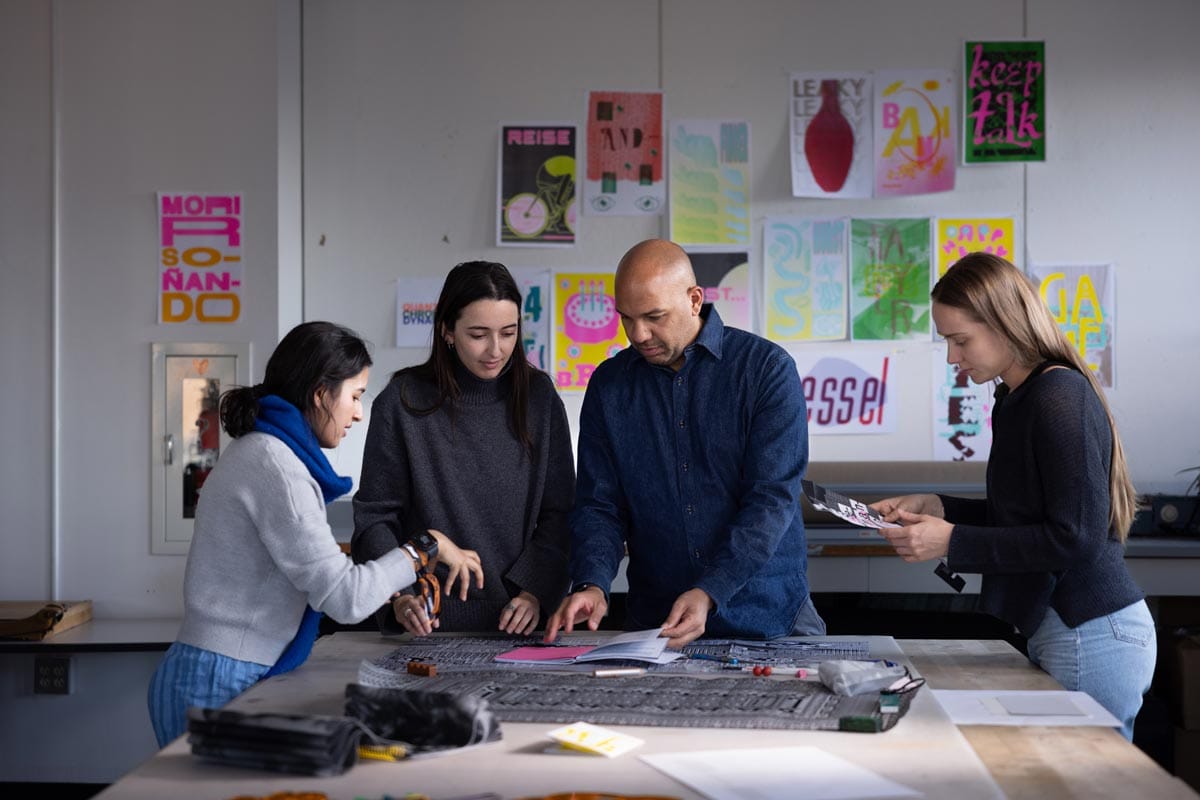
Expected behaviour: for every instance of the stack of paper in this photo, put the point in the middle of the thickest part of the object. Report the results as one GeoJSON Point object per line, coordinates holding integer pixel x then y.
{"type": "Point", "coordinates": [647, 646]}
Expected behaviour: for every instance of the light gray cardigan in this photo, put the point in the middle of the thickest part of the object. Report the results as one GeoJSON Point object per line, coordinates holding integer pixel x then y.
{"type": "Point", "coordinates": [262, 549]}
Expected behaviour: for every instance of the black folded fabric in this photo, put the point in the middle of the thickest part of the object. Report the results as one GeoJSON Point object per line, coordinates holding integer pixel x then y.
{"type": "Point", "coordinates": [401, 721]}
{"type": "Point", "coordinates": [298, 743]}
{"type": "Point", "coordinates": [421, 721]}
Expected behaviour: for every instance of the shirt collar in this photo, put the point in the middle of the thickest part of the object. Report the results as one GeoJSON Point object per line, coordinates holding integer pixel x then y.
{"type": "Point", "coordinates": [712, 332]}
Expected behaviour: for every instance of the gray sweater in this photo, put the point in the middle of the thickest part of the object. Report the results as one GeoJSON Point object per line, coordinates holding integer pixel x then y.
{"type": "Point", "coordinates": [462, 471]}
{"type": "Point", "coordinates": [262, 549]}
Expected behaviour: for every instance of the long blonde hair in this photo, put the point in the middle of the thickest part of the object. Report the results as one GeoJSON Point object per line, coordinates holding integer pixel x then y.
{"type": "Point", "coordinates": [995, 293]}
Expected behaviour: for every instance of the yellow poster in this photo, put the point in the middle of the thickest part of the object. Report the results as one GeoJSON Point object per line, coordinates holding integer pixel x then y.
{"type": "Point", "coordinates": [587, 329]}
{"type": "Point", "coordinates": [957, 237]}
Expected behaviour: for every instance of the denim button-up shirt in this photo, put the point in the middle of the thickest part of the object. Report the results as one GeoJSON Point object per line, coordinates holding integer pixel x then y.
{"type": "Point", "coordinates": [698, 471]}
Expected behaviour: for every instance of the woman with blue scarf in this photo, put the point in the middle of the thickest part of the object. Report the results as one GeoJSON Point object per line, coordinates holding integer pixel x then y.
{"type": "Point", "coordinates": [264, 564]}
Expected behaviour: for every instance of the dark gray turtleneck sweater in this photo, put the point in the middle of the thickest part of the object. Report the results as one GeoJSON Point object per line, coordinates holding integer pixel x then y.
{"type": "Point", "coordinates": [462, 472]}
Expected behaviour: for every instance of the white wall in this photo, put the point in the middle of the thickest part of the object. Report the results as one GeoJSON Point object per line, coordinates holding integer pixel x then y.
{"type": "Point", "coordinates": [149, 96]}
{"type": "Point", "coordinates": [26, 290]}
{"type": "Point", "coordinates": [403, 101]}
{"type": "Point", "coordinates": [401, 104]}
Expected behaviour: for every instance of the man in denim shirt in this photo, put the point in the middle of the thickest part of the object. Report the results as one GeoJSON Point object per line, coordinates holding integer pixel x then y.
{"type": "Point", "coordinates": [692, 444]}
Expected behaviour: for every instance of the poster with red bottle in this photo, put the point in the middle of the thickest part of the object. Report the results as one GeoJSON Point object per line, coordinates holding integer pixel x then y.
{"type": "Point", "coordinates": [1004, 102]}
{"type": "Point", "coordinates": [914, 132]}
{"type": "Point", "coordinates": [831, 121]}
{"type": "Point", "coordinates": [624, 154]}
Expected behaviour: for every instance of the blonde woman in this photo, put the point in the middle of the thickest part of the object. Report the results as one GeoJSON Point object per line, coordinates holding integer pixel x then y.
{"type": "Point", "coordinates": [1049, 539]}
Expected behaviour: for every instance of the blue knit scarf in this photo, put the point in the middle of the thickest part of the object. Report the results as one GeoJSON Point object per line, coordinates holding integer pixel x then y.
{"type": "Point", "coordinates": [284, 421]}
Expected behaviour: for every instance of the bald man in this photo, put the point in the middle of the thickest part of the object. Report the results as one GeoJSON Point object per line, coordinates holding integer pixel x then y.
{"type": "Point", "coordinates": [692, 444]}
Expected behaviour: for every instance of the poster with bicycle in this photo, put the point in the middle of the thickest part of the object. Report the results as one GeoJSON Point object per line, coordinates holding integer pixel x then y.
{"type": "Point", "coordinates": [536, 185]}
{"type": "Point", "coordinates": [625, 154]}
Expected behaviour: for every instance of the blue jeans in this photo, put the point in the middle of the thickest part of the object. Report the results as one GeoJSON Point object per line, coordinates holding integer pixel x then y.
{"type": "Point", "coordinates": [1110, 657]}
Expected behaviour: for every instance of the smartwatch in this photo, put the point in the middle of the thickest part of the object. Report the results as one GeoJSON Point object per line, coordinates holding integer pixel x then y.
{"type": "Point", "coordinates": [424, 543]}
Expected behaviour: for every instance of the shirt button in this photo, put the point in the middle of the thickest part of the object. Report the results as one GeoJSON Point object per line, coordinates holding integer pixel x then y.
{"type": "Point", "coordinates": [682, 424]}
{"type": "Point", "coordinates": [689, 508]}
{"type": "Point", "coordinates": [679, 381]}
{"type": "Point", "coordinates": [696, 553]}
{"type": "Point", "coordinates": [685, 466]}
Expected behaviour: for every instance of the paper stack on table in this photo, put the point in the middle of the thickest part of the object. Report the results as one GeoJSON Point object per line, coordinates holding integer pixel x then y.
{"type": "Point", "coordinates": [647, 646]}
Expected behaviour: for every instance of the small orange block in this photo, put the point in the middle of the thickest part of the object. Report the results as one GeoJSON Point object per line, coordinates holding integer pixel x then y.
{"type": "Point", "coordinates": [421, 668]}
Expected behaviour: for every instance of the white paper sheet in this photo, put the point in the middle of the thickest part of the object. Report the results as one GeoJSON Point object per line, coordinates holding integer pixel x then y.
{"type": "Point", "coordinates": [1014, 707]}
{"type": "Point", "coordinates": [779, 773]}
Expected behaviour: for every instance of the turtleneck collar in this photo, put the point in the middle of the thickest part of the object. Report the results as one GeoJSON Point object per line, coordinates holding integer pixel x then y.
{"type": "Point", "coordinates": [475, 391]}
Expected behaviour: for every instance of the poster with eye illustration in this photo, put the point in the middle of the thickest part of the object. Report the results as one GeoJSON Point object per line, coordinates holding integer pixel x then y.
{"type": "Point", "coordinates": [624, 154]}
{"type": "Point", "coordinates": [587, 328]}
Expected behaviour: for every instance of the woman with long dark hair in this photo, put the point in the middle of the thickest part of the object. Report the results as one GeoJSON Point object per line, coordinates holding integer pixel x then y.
{"type": "Point", "coordinates": [263, 563]}
{"type": "Point", "coordinates": [473, 442]}
{"type": "Point", "coordinates": [1049, 539]}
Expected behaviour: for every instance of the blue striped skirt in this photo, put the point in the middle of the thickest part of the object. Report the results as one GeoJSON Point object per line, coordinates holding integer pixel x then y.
{"type": "Point", "coordinates": [190, 676]}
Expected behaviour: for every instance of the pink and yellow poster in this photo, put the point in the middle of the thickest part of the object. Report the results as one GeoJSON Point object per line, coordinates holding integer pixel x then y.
{"type": "Point", "coordinates": [957, 237]}
{"type": "Point", "coordinates": [587, 328]}
{"type": "Point", "coordinates": [914, 132]}
{"type": "Point", "coordinates": [624, 154]}
{"type": "Point", "coordinates": [199, 257]}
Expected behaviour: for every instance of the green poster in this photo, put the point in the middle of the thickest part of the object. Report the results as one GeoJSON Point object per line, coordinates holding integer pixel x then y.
{"type": "Point", "coordinates": [1004, 102]}
{"type": "Point", "coordinates": [889, 277]}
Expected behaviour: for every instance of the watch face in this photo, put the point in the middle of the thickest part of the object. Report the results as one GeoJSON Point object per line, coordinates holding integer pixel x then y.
{"type": "Point", "coordinates": [425, 542]}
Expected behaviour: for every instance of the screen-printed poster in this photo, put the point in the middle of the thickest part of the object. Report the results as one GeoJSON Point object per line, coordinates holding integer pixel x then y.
{"type": "Point", "coordinates": [199, 257]}
{"type": "Point", "coordinates": [725, 278]}
{"type": "Point", "coordinates": [805, 268]}
{"type": "Point", "coordinates": [847, 393]}
{"type": "Point", "coordinates": [709, 182]}
{"type": "Point", "coordinates": [536, 307]}
{"type": "Point", "coordinates": [830, 116]}
{"type": "Point", "coordinates": [416, 302]}
{"type": "Point", "coordinates": [624, 154]}
{"type": "Point", "coordinates": [962, 413]}
{"type": "Point", "coordinates": [1004, 102]}
{"type": "Point", "coordinates": [961, 235]}
{"type": "Point", "coordinates": [587, 328]}
{"type": "Point", "coordinates": [914, 132]}
{"type": "Point", "coordinates": [1082, 298]}
{"type": "Point", "coordinates": [537, 185]}
{"type": "Point", "coordinates": [889, 279]}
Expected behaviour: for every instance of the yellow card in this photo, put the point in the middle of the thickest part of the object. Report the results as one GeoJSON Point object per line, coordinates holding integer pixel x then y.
{"type": "Point", "coordinates": [588, 738]}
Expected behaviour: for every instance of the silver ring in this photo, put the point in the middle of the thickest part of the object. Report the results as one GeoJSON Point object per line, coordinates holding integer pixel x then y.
{"type": "Point", "coordinates": [408, 612]}
{"type": "Point", "coordinates": [509, 607]}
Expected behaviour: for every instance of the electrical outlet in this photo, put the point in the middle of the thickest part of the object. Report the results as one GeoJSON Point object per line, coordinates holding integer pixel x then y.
{"type": "Point", "coordinates": [52, 675]}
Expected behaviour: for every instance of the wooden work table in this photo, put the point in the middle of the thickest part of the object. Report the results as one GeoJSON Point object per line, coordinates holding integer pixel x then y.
{"type": "Point", "coordinates": [1038, 762]}
{"type": "Point", "coordinates": [924, 749]}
